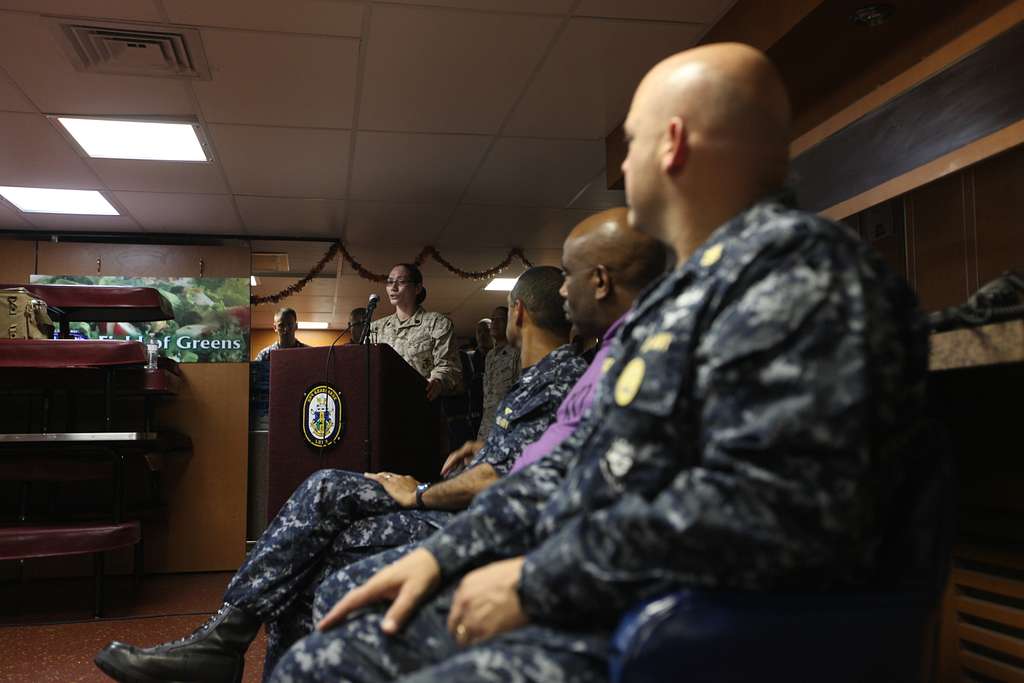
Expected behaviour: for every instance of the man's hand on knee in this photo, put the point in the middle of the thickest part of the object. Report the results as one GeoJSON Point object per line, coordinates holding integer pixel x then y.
{"type": "Point", "coordinates": [405, 583]}
{"type": "Point", "coordinates": [487, 603]}
{"type": "Point", "coordinates": [460, 455]}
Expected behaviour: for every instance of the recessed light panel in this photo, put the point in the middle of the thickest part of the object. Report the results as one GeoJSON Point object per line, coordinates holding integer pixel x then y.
{"type": "Point", "coordinates": [144, 140]}
{"type": "Point", "coordinates": [47, 200]}
{"type": "Point", "coordinates": [311, 325]}
{"type": "Point", "coordinates": [501, 284]}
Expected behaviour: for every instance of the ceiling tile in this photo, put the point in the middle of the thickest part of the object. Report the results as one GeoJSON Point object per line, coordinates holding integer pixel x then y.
{"type": "Point", "coordinates": [288, 217]}
{"type": "Point", "coordinates": [536, 172]}
{"type": "Point", "coordinates": [160, 176]}
{"type": "Point", "coordinates": [585, 86]}
{"type": "Point", "coordinates": [171, 212]}
{"type": "Point", "coordinates": [695, 11]}
{"type": "Point", "coordinates": [287, 80]}
{"type": "Point", "coordinates": [536, 6]}
{"type": "Point", "coordinates": [10, 217]}
{"type": "Point", "coordinates": [510, 226]}
{"type": "Point", "coordinates": [596, 195]}
{"type": "Point", "coordinates": [35, 155]}
{"type": "Point", "coordinates": [421, 62]}
{"type": "Point", "coordinates": [324, 17]}
{"type": "Point", "coordinates": [412, 225]}
{"type": "Point", "coordinates": [283, 162]}
{"type": "Point", "coordinates": [64, 223]}
{"type": "Point", "coordinates": [31, 56]}
{"type": "Point", "coordinates": [428, 169]}
{"type": "Point", "coordinates": [320, 286]}
{"type": "Point", "coordinates": [136, 10]}
{"type": "Point", "coordinates": [11, 99]}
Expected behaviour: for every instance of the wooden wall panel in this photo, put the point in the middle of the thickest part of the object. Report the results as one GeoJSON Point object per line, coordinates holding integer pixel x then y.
{"type": "Point", "coordinates": [77, 258]}
{"type": "Point", "coordinates": [206, 494]}
{"type": "Point", "coordinates": [935, 223]}
{"type": "Point", "coordinates": [17, 258]}
{"type": "Point", "coordinates": [999, 213]}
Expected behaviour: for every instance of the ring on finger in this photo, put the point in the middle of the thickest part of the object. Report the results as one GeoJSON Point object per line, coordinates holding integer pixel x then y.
{"type": "Point", "coordinates": [460, 633]}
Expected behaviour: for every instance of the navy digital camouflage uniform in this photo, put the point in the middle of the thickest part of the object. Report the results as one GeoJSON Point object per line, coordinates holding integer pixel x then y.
{"type": "Point", "coordinates": [337, 516]}
{"type": "Point", "coordinates": [757, 411]}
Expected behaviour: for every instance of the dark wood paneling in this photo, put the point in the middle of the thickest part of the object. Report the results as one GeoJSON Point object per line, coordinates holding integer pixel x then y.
{"type": "Point", "coordinates": [935, 215]}
{"type": "Point", "coordinates": [978, 95]}
{"type": "Point", "coordinates": [999, 213]}
{"type": "Point", "coordinates": [827, 61]}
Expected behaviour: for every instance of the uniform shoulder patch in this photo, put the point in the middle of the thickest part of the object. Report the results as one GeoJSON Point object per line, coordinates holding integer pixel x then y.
{"type": "Point", "coordinates": [629, 382]}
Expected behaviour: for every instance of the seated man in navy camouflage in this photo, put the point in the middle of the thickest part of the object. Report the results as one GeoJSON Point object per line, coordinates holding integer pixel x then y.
{"type": "Point", "coordinates": [337, 516]}
{"type": "Point", "coordinates": [757, 412]}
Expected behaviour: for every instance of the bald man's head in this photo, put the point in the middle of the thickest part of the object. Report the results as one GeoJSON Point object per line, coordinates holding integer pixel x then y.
{"type": "Point", "coordinates": [707, 128]}
{"type": "Point", "coordinates": [606, 264]}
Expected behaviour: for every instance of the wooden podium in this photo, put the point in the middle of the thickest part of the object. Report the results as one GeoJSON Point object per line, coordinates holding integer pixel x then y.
{"type": "Point", "coordinates": [380, 396]}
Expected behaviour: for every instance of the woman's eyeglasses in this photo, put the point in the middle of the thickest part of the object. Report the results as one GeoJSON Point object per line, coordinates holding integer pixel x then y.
{"type": "Point", "coordinates": [400, 283]}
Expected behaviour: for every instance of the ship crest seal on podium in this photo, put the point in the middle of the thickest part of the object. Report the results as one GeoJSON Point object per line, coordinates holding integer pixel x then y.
{"type": "Point", "coordinates": [322, 418]}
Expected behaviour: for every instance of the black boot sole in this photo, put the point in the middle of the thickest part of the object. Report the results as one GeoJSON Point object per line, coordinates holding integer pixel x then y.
{"type": "Point", "coordinates": [111, 670]}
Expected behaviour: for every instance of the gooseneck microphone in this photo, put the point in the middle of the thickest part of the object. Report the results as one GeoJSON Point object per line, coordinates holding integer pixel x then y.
{"type": "Point", "coordinates": [370, 306]}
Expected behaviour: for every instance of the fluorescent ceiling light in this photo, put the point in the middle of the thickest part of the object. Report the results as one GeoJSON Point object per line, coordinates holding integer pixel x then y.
{"type": "Point", "coordinates": [46, 200]}
{"type": "Point", "coordinates": [309, 325]}
{"type": "Point", "coordinates": [501, 284]}
{"type": "Point", "coordinates": [147, 140]}
{"type": "Point", "coordinates": [253, 281]}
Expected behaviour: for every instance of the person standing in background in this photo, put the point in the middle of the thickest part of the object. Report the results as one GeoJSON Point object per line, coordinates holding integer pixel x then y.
{"type": "Point", "coordinates": [501, 369]}
{"type": "Point", "coordinates": [286, 322]}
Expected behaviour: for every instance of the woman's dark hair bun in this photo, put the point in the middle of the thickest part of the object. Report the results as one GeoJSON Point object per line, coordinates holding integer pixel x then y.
{"type": "Point", "coordinates": [421, 297]}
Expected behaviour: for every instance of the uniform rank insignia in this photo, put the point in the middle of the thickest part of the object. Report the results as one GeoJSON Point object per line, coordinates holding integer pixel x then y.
{"type": "Point", "coordinates": [322, 418]}
{"type": "Point", "coordinates": [711, 256]}
{"type": "Point", "coordinates": [629, 382]}
{"type": "Point", "coordinates": [607, 365]}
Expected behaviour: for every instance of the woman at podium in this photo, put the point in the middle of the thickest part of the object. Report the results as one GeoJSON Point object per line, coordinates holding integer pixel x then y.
{"type": "Point", "coordinates": [425, 339]}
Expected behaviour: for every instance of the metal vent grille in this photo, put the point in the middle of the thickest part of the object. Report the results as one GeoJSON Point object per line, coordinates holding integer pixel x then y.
{"type": "Point", "coordinates": [269, 262]}
{"type": "Point", "coordinates": [134, 50]}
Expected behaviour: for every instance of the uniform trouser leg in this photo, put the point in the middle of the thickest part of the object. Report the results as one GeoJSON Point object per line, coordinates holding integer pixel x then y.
{"type": "Point", "coordinates": [287, 557]}
{"type": "Point", "coordinates": [357, 651]}
{"type": "Point", "coordinates": [359, 541]}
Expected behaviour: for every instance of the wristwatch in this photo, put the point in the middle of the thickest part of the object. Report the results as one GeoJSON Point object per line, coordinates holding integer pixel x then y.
{"type": "Point", "coordinates": [420, 490]}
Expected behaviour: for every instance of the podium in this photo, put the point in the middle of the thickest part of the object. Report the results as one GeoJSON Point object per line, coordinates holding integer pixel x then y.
{"type": "Point", "coordinates": [378, 395]}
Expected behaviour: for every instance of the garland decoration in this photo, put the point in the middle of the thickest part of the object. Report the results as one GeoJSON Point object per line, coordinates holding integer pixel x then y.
{"type": "Point", "coordinates": [427, 252]}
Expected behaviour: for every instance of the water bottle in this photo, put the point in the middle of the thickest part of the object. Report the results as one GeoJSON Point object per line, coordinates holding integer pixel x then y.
{"type": "Point", "coordinates": [152, 352]}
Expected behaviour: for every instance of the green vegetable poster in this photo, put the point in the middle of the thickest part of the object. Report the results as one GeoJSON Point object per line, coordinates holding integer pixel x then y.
{"type": "Point", "coordinates": [211, 316]}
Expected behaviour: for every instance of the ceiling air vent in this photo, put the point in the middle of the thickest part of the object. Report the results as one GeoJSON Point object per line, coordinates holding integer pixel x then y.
{"type": "Point", "coordinates": [269, 262]}
{"type": "Point", "coordinates": [135, 50]}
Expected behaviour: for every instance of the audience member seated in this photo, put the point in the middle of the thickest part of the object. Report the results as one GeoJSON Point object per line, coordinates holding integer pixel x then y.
{"type": "Point", "coordinates": [337, 516]}
{"type": "Point", "coordinates": [757, 413]}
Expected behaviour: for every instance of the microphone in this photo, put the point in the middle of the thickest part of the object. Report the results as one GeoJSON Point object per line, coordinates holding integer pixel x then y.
{"type": "Point", "coordinates": [370, 306]}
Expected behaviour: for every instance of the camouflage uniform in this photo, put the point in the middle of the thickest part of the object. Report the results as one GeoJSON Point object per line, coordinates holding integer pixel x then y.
{"type": "Point", "coordinates": [754, 419]}
{"type": "Point", "coordinates": [336, 516]}
{"type": "Point", "coordinates": [501, 368]}
{"type": "Point", "coordinates": [427, 342]}
{"type": "Point", "coordinates": [264, 354]}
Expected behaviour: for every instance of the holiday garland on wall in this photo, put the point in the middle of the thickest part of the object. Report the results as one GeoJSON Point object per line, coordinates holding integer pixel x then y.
{"type": "Point", "coordinates": [427, 252]}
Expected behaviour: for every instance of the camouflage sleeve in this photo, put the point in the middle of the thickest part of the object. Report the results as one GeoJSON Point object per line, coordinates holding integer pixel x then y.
{"type": "Point", "coordinates": [500, 521]}
{"type": "Point", "coordinates": [528, 415]}
{"type": "Point", "coordinates": [447, 366]}
{"type": "Point", "coordinates": [779, 400]}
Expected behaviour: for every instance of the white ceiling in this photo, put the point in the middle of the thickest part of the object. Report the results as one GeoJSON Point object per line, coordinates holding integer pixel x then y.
{"type": "Point", "coordinates": [474, 125]}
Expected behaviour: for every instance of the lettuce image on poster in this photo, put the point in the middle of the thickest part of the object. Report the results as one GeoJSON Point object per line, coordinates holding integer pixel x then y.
{"type": "Point", "coordinates": [211, 316]}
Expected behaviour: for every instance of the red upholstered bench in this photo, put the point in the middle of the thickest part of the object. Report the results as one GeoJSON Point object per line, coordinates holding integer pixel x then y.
{"type": "Point", "coordinates": [28, 541]}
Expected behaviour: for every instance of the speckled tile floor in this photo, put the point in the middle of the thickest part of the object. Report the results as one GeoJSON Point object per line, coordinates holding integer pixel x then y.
{"type": "Point", "coordinates": [47, 634]}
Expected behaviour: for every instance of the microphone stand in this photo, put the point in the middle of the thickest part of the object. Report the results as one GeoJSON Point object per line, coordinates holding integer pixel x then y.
{"type": "Point", "coordinates": [365, 341]}
{"type": "Point", "coordinates": [328, 363]}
